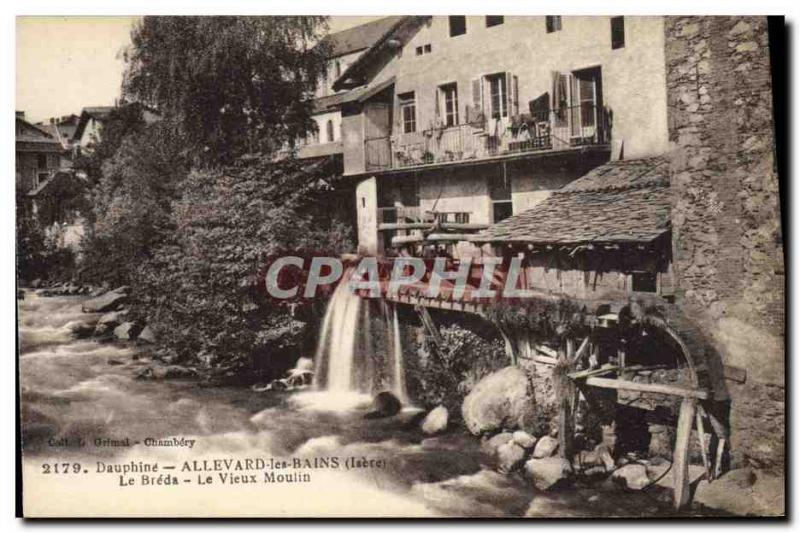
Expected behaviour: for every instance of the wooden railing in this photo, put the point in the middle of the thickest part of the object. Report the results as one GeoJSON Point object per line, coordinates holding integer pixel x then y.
{"type": "Point", "coordinates": [557, 129]}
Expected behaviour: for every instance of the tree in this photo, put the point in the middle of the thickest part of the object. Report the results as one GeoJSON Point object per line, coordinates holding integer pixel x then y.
{"type": "Point", "coordinates": [132, 202]}
{"type": "Point", "coordinates": [200, 291]}
{"type": "Point", "coordinates": [234, 85]}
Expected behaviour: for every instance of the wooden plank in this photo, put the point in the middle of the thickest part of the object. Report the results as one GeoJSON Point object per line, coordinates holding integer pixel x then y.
{"type": "Point", "coordinates": [701, 437]}
{"type": "Point", "coordinates": [427, 321]}
{"type": "Point", "coordinates": [655, 388]}
{"type": "Point", "coordinates": [680, 456]}
{"type": "Point", "coordinates": [581, 350]}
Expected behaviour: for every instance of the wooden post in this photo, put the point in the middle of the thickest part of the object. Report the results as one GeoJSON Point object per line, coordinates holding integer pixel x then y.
{"type": "Point", "coordinates": [566, 393]}
{"type": "Point", "coordinates": [680, 457]}
{"type": "Point", "coordinates": [701, 437]}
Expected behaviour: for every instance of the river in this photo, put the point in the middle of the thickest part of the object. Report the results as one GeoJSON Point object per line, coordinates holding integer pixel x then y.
{"type": "Point", "coordinates": [82, 389]}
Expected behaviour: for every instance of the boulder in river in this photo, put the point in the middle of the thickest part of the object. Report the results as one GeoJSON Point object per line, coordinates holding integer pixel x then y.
{"type": "Point", "coordinates": [435, 421]}
{"type": "Point", "coordinates": [744, 492]}
{"type": "Point", "coordinates": [510, 457]}
{"type": "Point", "coordinates": [632, 476]}
{"type": "Point", "coordinates": [524, 439]}
{"type": "Point", "coordinates": [501, 400]}
{"type": "Point", "coordinates": [107, 302]}
{"type": "Point", "coordinates": [384, 404]}
{"type": "Point", "coordinates": [127, 331]}
{"type": "Point", "coordinates": [489, 445]}
{"type": "Point", "coordinates": [547, 446]}
{"type": "Point", "coordinates": [547, 472]}
{"type": "Point", "coordinates": [147, 335]}
{"type": "Point", "coordinates": [82, 331]}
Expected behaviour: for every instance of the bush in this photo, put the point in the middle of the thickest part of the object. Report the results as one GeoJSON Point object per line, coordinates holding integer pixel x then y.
{"type": "Point", "coordinates": [446, 377]}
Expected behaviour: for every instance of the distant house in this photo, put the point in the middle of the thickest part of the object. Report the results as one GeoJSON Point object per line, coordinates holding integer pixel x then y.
{"type": "Point", "coordinates": [38, 155]}
{"type": "Point", "coordinates": [90, 125]}
{"type": "Point", "coordinates": [62, 129]}
{"type": "Point", "coordinates": [344, 48]}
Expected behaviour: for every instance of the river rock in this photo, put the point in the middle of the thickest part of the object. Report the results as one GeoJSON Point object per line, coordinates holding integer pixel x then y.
{"type": "Point", "coordinates": [113, 319]}
{"type": "Point", "coordinates": [82, 331]}
{"type": "Point", "coordinates": [383, 405]}
{"type": "Point", "coordinates": [127, 331]}
{"type": "Point", "coordinates": [35, 284]}
{"type": "Point", "coordinates": [547, 472]}
{"type": "Point", "coordinates": [547, 446]}
{"type": "Point", "coordinates": [633, 476]}
{"type": "Point", "coordinates": [743, 492]}
{"type": "Point", "coordinates": [435, 421]}
{"type": "Point", "coordinates": [524, 439]}
{"type": "Point", "coordinates": [489, 445]}
{"type": "Point", "coordinates": [304, 363]}
{"type": "Point", "coordinates": [510, 456]}
{"type": "Point", "coordinates": [107, 302]}
{"type": "Point", "coordinates": [147, 335]}
{"type": "Point", "coordinates": [501, 400]}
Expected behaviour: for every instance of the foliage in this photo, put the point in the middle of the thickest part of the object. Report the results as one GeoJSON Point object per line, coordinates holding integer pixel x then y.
{"type": "Point", "coordinates": [200, 288]}
{"type": "Point", "coordinates": [38, 257]}
{"type": "Point", "coordinates": [545, 320]}
{"type": "Point", "coordinates": [123, 120]}
{"type": "Point", "coordinates": [234, 85]}
{"type": "Point", "coordinates": [445, 377]}
{"type": "Point", "coordinates": [132, 203]}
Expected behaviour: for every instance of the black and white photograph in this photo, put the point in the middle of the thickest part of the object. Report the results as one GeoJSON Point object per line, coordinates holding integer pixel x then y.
{"type": "Point", "coordinates": [401, 266]}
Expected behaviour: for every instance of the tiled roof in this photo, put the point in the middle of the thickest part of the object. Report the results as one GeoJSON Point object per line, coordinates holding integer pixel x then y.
{"type": "Point", "coordinates": [622, 201]}
{"type": "Point", "coordinates": [359, 37]}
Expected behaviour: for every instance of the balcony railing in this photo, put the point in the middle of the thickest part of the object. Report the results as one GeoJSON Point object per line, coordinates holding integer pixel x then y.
{"type": "Point", "coordinates": [558, 129]}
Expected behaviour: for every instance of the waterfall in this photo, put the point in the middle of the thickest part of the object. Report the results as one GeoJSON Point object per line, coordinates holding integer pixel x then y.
{"type": "Point", "coordinates": [398, 377]}
{"type": "Point", "coordinates": [337, 342]}
{"type": "Point", "coordinates": [347, 358]}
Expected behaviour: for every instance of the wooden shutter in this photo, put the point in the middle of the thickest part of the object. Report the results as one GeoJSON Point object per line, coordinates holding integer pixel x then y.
{"type": "Point", "coordinates": [512, 90]}
{"type": "Point", "coordinates": [437, 106]}
{"type": "Point", "coordinates": [477, 94]}
{"type": "Point", "coordinates": [554, 92]}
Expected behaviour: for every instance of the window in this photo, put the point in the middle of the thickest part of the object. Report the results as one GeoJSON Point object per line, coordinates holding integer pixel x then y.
{"type": "Point", "coordinates": [500, 194]}
{"type": "Point", "coordinates": [41, 161]}
{"type": "Point", "coordinates": [553, 23]}
{"type": "Point", "coordinates": [329, 130]}
{"type": "Point", "coordinates": [426, 49]}
{"type": "Point", "coordinates": [494, 20]}
{"type": "Point", "coordinates": [458, 26]}
{"type": "Point", "coordinates": [617, 32]}
{"type": "Point", "coordinates": [498, 95]}
{"type": "Point", "coordinates": [448, 95]}
{"type": "Point", "coordinates": [644, 282]}
{"type": "Point", "coordinates": [419, 50]}
{"type": "Point", "coordinates": [408, 112]}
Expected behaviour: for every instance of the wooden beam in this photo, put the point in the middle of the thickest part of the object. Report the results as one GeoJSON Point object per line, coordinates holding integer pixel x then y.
{"type": "Point", "coordinates": [392, 226]}
{"type": "Point", "coordinates": [680, 456]}
{"type": "Point", "coordinates": [701, 437]}
{"type": "Point", "coordinates": [656, 388]}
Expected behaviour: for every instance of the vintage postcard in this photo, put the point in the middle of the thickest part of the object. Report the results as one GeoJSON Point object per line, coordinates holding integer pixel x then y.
{"type": "Point", "coordinates": [400, 266]}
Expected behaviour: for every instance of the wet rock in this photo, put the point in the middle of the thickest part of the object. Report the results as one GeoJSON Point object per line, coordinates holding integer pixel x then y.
{"type": "Point", "coordinates": [82, 331]}
{"type": "Point", "coordinates": [633, 476]}
{"type": "Point", "coordinates": [304, 363]}
{"type": "Point", "coordinates": [546, 473]}
{"type": "Point", "coordinates": [435, 421]}
{"type": "Point", "coordinates": [489, 445]}
{"type": "Point", "coordinates": [501, 400]}
{"type": "Point", "coordinates": [510, 457]}
{"type": "Point", "coordinates": [115, 362]}
{"type": "Point", "coordinates": [384, 404]}
{"type": "Point", "coordinates": [127, 331]}
{"type": "Point", "coordinates": [547, 446]}
{"type": "Point", "coordinates": [35, 284]}
{"type": "Point", "coordinates": [147, 335]}
{"type": "Point", "coordinates": [107, 302]}
{"type": "Point", "coordinates": [166, 372]}
{"type": "Point", "coordinates": [744, 492]}
{"type": "Point", "coordinates": [113, 319]}
{"type": "Point", "coordinates": [524, 439]}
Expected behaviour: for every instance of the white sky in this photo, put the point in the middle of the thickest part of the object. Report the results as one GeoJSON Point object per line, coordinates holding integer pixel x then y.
{"type": "Point", "coordinates": [67, 63]}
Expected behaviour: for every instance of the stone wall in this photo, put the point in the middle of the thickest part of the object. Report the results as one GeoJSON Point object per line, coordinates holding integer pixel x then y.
{"type": "Point", "coordinates": [727, 240]}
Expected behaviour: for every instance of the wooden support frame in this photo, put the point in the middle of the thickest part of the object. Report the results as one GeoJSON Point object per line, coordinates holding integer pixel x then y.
{"type": "Point", "coordinates": [655, 388]}
{"type": "Point", "coordinates": [680, 456]}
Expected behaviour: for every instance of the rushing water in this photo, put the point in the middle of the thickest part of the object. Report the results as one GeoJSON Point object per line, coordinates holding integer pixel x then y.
{"type": "Point", "coordinates": [84, 389]}
{"type": "Point", "coordinates": [346, 361]}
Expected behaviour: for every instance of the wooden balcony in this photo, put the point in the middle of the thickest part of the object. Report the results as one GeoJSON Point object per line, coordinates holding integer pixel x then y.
{"type": "Point", "coordinates": [550, 131]}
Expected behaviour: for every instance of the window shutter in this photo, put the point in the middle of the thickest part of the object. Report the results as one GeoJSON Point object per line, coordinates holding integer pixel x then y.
{"type": "Point", "coordinates": [512, 87]}
{"type": "Point", "coordinates": [554, 93]}
{"type": "Point", "coordinates": [436, 97]}
{"type": "Point", "coordinates": [477, 94]}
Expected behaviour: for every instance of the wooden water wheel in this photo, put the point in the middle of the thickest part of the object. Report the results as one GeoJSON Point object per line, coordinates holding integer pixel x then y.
{"type": "Point", "coordinates": [620, 361]}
